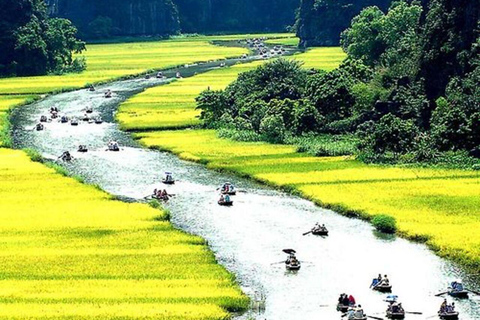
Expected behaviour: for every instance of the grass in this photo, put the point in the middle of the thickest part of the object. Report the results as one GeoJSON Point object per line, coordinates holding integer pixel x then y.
{"type": "Point", "coordinates": [324, 58]}
{"type": "Point", "coordinates": [172, 106]}
{"type": "Point", "coordinates": [291, 41]}
{"type": "Point", "coordinates": [69, 251]}
{"type": "Point", "coordinates": [6, 104]}
{"type": "Point", "coordinates": [436, 205]}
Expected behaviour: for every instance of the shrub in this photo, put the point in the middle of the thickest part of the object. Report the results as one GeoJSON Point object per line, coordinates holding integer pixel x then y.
{"type": "Point", "coordinates": [385, 223]}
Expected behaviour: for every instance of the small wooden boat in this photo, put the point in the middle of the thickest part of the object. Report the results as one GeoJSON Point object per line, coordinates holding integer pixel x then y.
{"type": "Point", "coordinates": [82, 148]}
{"type": "Point", "coordinates": [448, 315]}
{"type": "Point", "coordinates": [169, 182]}
{"type": "Point", "coordinates": [160, 75]}
{"type": "Point", "coordinates": [85, 118]}
{"type": "Point", "coordinates": [395, 314]}
{"type": "Point", "coordinates": [383, 287]}
{"type": "Point", "coordinates": [39, 127]}
{"type": "Point", "coordinates": [64, 119]}
{"type": "Point", "coordinates": [229, 189]}
{"type": "Point", "coordinates": [98, 121]}
{"type": "Point", "coordinates": [43, 119]}
{"type": "Point", "coordinates": [89, 110]}
{"type": "Point", "coordinates": [108, 94]}
{"type": "Point", "coordinates": [168, 179]}
{"type": "Point", "coordinates": [54, 115]}
{"type": "Point", "coordinates": [113, 147]}
{"type": "Point", "coordinates": [91, 88]}
{"type": "Point", "coordinates": [74, 122]}
{"type": "Point", "coordinates": [292, 266]}
{"type": "Point", "coordinates": [66, 156]}
{"type": "Point", "coordinates": [160, 198]}
{"type": "Point", "coordinates": [225, 203]}
{"type": "Point", "coordinates": [320, 231]}
{"type": "Point", "coordinates": [461, 294]}
{"type": "Point", "coordinates": [342, 308]}
{"type": "Point", "coordinates": [53, 109]}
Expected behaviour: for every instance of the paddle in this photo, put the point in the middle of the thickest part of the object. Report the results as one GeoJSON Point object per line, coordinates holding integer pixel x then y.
{"type": "Point", "coordinates": [473, 291]}
{"type": "Point", "coordinates": [324, 305]}
{"type": "Point", "coordinates": [307, 232]}
{"type": "Point", "coordinates": [413, 312]}
{"type": "Point", "coordinates": [440, 294]}
{"type": "Point", "coordinates": [277, 262]}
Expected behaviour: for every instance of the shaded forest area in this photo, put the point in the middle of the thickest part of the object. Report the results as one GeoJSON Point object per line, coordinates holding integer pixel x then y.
{"type": "Point", "coordinates": [102, 19]}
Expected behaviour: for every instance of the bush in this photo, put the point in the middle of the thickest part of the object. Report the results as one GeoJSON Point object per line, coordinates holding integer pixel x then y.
{"type": "Point", "coordinates": [384, 223]}
{"type": "Point", "coordinates": [273, 129]}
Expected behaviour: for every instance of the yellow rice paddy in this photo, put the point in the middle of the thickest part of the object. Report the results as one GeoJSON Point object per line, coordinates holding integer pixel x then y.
{"type": "Point", "coordinates": [69, 251]}
{"type": "Point", "coordinates": [434, 204]}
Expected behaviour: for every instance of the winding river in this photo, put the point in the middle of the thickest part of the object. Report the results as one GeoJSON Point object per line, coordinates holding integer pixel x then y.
{"type": "Point", "coordinates": [247, 238]}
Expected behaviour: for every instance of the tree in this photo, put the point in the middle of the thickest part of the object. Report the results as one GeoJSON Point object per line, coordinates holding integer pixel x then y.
{"type": "Point", "coordinates": [32, 43]}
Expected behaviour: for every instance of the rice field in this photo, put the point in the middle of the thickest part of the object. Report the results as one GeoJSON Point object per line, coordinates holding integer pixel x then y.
{"type": "Point", "coordinates": [436, 205]}
{"type": "Point", "coordinates": [111, 61]}
{"type": "Point", "coordinates": [172, 106]}
{"type": "Point", "coordinates": [291, 41]}
{"type": "Point", "coordinates": [71, 252]}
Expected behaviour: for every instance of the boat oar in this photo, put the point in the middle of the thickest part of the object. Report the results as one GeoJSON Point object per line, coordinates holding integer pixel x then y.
{"type": "Point", "coordinates": [307, 232]}
{"type": "Point", "coordinates": [277, 262]}
{"type": "Point", "coordinates": [413, 312]}
{"type": "Point", "coordinates": [324, 305]}
{"type": "Point", "coordinates": [473, 291]}
{"type": "Point", "coordinates": [440, 294]}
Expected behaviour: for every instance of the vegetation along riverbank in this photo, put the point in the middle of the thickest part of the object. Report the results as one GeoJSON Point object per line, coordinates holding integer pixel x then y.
{"type": "Point", "coordinates": [435, 205]}
{"type": "Point", "coordinates": [71, 250]}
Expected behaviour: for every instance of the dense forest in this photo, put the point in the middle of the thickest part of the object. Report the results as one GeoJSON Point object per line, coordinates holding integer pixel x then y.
{"type": "Point", "coordinates": [165, 17]}
{"type": "Point", "coordinates": [32, 43]}
{"type": "Point", "coordinates": [320, 22]}
{"type": "Point", "coordinates": [407, 92]}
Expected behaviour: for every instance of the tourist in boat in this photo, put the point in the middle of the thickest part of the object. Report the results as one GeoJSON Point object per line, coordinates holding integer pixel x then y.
{"type": "Point", "coordinates": [358, 313]}
{"type": "Point", "coordinates": [346, 301]}
{"type": "Point", "coordinates": [340, 299]}
{"type": "Point", "coordinates": [222, 198]}
{"type": "Point", "coordinates": [376, 281]}
{"type": "Point", "coordinates": [385, 281]}
{"type": "Point", "coordinates": [351, 300]}
{"type": "Point", "coordinates": [155, 192]}
{"type": "Point", "coordinates": [227, 198]}
{"type": "Point", "coordinates": [443, 306]}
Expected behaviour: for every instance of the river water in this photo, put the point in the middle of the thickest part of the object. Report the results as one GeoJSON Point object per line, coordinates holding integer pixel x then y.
{"type": "Point", "coordinates": [247, 238]}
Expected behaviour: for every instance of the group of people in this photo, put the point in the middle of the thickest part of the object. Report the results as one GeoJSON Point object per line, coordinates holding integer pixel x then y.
{"type": "Point", "coordinates": [113, 146]}
{"type": "Point", "coordinates": [160, 194]}
{"type": "Point", "coordinates": [356, 313]}
{"type": "Point", "coordinates": [228, 188]}
{"type": "Point", "coordinates": [447, 308]}
{"type": "Point", "coordinates": [395, 307]}
{"type": "Point", "coordinates": [346, 300]}
{"type": "Point", "coordinates": [225, 198]}
{"type": "Point", "coordinates": [319, 227]}
{"type": "Point", "coordinates": [292, 260]}
{"type": "Point", "coordinates": [380, 281]}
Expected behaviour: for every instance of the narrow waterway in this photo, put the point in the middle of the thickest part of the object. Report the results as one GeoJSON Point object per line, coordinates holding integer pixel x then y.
{"type": "Point", "coordinates": [247, 238]}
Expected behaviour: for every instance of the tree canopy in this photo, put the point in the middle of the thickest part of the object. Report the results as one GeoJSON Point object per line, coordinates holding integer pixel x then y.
{"type": "Point", "coordinates": [33, 44]}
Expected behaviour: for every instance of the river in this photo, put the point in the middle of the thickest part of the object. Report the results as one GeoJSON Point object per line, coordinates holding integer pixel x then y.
{"type": "Point", "coordinates": [247, 238]}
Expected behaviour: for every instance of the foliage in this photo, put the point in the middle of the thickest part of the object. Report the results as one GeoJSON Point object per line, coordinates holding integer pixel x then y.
{"type": "Point", "coordinates": [320, 22]}
{"type": "Point", "coordinates": [384, 223]}
{"type": "Point", "coordinates": [35, 44]}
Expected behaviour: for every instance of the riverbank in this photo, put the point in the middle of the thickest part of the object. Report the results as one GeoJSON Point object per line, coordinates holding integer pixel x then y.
{"type": "Point", "coordinates": [435, 206]}
{"type": "Point", "coordinates": [432, 205]}
{"type": "Point", "coordinates": [71, 250]}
